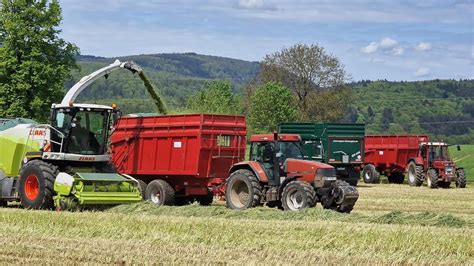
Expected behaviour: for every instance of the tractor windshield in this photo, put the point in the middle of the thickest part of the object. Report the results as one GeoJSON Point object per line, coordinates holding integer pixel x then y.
{"type": "Point", "coordinates": [85, 130]}
{"type": "Point", "coordinates": [439, 152]}
{"type": "Point", "coordinates": [290, 149]}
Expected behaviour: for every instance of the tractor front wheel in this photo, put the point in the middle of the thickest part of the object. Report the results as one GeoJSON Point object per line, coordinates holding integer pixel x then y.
{"type": "Point", "coordinates": [460, 178]}
{"type": "Point", "coordinates": [36, 184]}
{"type": "Point", "coordinates": [370, 174]}
{"type": "Point", "coordinates": [160, 193]}
{"type": "Point", "coordinates": [415, 174]}
{"type": "Point", "coordinates": [298, 195]}
{"type": "Point", "coordinates": [432, 178]}
{"type": "Point", "coordinates": [243, 190]}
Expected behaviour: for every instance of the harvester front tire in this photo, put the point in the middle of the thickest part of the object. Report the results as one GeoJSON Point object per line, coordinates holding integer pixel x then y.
{"type": "Point", "coordinates": [298, 195]}
{"type": "Point", "coordinates": [460, 178]}
{"type": "Point", "coordinates": [415, 174]}
{"type": "Point", "coordinates": [142, 187]}
{"type": "Point", "coordinates": [160, 193]}
{"type": "Point", "coordinates": [432, 178]}
{"type": "Point", "coordinates": [243, 190]}
{"type": "Point", "coordinates": [370, 174]}
{"type": "Point", "coordinates": [36, 185]}
{"type": "Point", "coordinates": [396, 178]}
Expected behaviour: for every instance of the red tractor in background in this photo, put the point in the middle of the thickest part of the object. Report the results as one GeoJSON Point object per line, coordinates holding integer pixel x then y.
{"type": "Point", "coordinates": [421, 159]}
{"type": "Point", "coordinates": [277, 175]}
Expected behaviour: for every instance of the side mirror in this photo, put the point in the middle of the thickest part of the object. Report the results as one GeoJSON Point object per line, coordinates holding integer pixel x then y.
{"type": "Point", "coordinates": [458, 147]}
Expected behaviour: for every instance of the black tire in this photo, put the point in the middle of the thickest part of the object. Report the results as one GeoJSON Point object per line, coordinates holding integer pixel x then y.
{"type": "Point", "coordinates": [243, 190]}
{"type": "Point", "coordinates": [328, 201]}
{"type": "Point", "coordinates": [354, 177]}
{"type": "Point", "coordinates": [432, 178]}
{"type": "Point", "coordinates": [3, 203]}
{"type": "Point", "coordinates": [396, 178]}
{"type": "Point", "coordinates": [444, 184]}
{"type": "Point", "coordinates": [415, 174]}
{"type": "Point", "coordinates": [460, 178]}
{"type": "Point", "coordinates": [160, 193]}
{"type": "Point", "coordinates": [205, 200]}
{"type": "Point", "coordinates": [43, 175]}
{"type": "Point", "coordinates": [298, 195]}
{"type": "Point", "coordinates": [142, 187]}
{"type": "Point", "coordinates": [370, 174]}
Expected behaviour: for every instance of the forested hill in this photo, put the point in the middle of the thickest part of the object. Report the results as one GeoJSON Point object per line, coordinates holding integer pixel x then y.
{"type": "Point", "coordinates": [176, 76]}
{"type": "Point", "coordinates": [442, 108]}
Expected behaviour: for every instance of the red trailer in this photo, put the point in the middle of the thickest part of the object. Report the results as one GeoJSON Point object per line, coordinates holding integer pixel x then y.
{"type": "Point", "coordinates": [178, 158]}
{"type": "Point", "coordinates": [392, 155]}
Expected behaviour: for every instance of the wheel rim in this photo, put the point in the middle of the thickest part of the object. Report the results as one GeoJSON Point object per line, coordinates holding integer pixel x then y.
{"type": "Point", "coordinates": [428, 181]}
{"type": "Point", "coordinates": [156, 197]}
{"type": "Point", "coordinates": [295, 200]}
{"type": "Point", "coordinates": [32, 187]}
{"type": "Point", "coordinates": [240, 194]}
{"type": "Point", "coordinates": [411, 174]}
{"type": "Point", "coordinates": [368, 176]}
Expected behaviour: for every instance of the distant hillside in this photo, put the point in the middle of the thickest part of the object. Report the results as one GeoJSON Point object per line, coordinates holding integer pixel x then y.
{"type": "Point", "coordinates": [442, 108]}
{"type": "Point", "coordinates": [176, 76]}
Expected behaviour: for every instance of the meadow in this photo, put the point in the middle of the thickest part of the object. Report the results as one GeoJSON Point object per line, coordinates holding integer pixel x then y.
{"type": "Point", "coordinates": [390, 224]}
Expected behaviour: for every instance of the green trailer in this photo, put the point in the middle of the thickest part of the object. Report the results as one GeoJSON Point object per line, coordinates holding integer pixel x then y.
{"type": "Point", "coordinates": [338, 144]}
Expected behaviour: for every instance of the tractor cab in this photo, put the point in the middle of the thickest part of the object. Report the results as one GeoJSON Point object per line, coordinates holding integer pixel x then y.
{"type": "Point", "coordinates": [81, 129]}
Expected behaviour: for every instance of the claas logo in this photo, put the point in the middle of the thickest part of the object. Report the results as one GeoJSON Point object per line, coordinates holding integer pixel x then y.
{"type": "Point", "coordinates": [38, 132]}
{"type": "Point", "coordinates": [86, 158]}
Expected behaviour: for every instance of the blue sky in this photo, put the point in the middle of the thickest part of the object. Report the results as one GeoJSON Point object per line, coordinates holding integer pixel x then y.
{"type": "Point", "coordinates": [377, 39]}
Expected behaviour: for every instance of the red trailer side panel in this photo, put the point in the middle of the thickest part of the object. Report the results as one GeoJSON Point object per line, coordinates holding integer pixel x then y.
{"type": "Point", "coordinates": [392, 151]}
{"type": "Point", "coordinates": [192, 145]}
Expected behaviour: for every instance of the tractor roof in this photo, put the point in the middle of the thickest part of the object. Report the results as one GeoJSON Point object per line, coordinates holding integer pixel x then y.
{"type": "Point", "coordinates": [83, 105]}
{"type": "Point", "coordinates": [270, 137]}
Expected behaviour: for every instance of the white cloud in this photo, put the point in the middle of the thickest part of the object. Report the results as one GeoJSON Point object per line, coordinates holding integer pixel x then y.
{"type": "Point", "coordinates": [371, 48]}
{"type": "Point", "coordinates": [423, 46]}
{"type": "Point", "coordinates": [422, 72]}
{"type": "Point", "coordinates": [398, 51]}
{"type": "Point", "coordinates": [387, 43]}
{"type": "Point", "coordinates": [255, 4]}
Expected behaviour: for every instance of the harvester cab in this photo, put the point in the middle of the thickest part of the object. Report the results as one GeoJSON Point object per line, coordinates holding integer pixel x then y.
{"type": "Point", "coordinates": [278, 175]}
{"type": "Point", "coordinates": [441, 169]}
{"type": "Point", "coordinates": [66, 163]}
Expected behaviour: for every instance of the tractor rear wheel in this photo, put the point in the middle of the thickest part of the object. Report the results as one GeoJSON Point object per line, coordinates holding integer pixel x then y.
{"type": "Point", "coordinates": [243, 190]}
{"type": "Point", "coordinates": [370, 174]}
{"type": "Point", "coordinates": [298, 195]}
{"type": "Point", "coordinates": [160, 193]}
{"type": "Point", "coordinates": [432, 178]}
{"type": "Point", "coordinates": [461, 178]}
{"type": "Point", "coordinates": [36, 184]}
{"type": "Point", "coordinates": [415, 174]}
{"type": "Point", "coordinates": [396, 178]}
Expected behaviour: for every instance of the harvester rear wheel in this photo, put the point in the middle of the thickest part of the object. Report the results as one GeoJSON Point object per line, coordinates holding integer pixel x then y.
{"type": "Point", "coordinates": [298, 195]}
{"type": "Point", "coordinates": [370, 174]}
{"type": "Point", "coordinates": [396, 178]}
{"type": "Point", "coordinates": [243, 190]}
{"type": "Point", "coordinates": [415, 174]}
{"type": "Point", "coordinates": [36, 184]}
{"type": "Point", "coordinates": [461, 178]}
{"type": "Point", "coordinates": [160, 193]}
{"type": "Point", "coordinates": [432, 178]}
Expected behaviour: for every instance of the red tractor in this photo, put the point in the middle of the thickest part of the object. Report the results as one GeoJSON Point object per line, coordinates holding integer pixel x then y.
{"type": "Point", "coordinates": [421, 159]}
{"type": "Point", "coordinates": [277, 175]}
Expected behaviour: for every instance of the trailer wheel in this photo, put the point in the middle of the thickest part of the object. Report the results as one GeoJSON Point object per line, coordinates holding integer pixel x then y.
{"type": "Point", "coordinates": [415, 174]}
{"type": "Point", "coordinates": [396, 178]}
{"type": "Point", "coordinates": [205, 200]}
{"type": "Point", "coordinates": [142, 187]}
{"type": "Point", "coordinates": [370, 174]}
{"type": "Point", "coordinates": [298, 195]}
{"type": "Point", "coordinates": [432, 178]}
{"type": "Point", "coordinates": [461, 178]}
{"type": "Point", "coordinates": [243, 190]}
{"type": "Point", "coordinates": [36, 185]}
{"type": "Point", "coordinates": [160, 193]}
